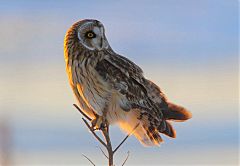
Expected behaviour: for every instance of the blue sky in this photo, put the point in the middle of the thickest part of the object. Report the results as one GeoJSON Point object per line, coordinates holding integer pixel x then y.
{"type": "Point", "coordinates": [189, 48]}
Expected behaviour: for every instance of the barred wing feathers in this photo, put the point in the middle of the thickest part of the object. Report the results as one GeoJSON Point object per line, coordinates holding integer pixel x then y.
{"type": "Point", "coordinates": [146, 103]}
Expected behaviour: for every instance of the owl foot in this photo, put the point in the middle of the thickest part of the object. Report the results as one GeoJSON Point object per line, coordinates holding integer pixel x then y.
{"type": "Point", "coordinates": [98, 123]}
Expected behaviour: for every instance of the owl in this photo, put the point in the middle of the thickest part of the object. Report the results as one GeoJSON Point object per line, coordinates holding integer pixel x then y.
{"type": "Point", "coordinates": [111, 89]}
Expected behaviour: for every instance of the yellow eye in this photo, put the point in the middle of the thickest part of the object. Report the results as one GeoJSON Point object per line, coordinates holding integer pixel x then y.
{"type": "Point", "coordinates": [90, 35]}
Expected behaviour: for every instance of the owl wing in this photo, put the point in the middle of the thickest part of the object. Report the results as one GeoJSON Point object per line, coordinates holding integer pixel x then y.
{"type": "Point", "coordinates": [126, 77]}
{"type": "Point", "coordinates": [144, 97]}
{"type": "Point", "coordinates": [133, 72]}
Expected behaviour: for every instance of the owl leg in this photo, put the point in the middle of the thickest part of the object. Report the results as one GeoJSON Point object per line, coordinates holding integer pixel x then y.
{"type": "Point", "coordinates": [98, 123]}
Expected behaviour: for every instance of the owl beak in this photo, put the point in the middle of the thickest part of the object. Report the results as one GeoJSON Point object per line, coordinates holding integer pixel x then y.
{"type": "Point", "coordinates": [101, 43]}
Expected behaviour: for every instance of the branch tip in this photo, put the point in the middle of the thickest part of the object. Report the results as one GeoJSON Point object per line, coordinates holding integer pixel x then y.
{"type": "Point", "coordinates": [87, 117]}
{"type": "Point", "coordinates": [89, 159]}
{"type": "Point", "coordinates": [125, 138]}
{"type": "Point", "coordinates": [128, 153]}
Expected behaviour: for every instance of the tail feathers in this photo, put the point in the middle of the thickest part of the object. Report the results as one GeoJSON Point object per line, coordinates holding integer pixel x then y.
{"type": "Point", "coordinates": [177, 113]}
{"type": "Point", "coordinates": [147, 134]}
{"type": "Point", "coordinates": [144, 134]}
{"type": "Point", "coordinates": [169, 131]}
{"type": "Point", "coordinates": [153, 135]}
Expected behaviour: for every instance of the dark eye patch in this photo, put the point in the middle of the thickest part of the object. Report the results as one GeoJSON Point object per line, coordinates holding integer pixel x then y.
{"type": "Point", "coordinates": [90, 34]}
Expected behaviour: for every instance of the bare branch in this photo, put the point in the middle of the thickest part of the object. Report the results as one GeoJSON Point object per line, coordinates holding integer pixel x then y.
{"type": "Point", "coordinates": [89, 160]}
{"type": "Point", "coordinates": [128, 153]}
{"type": "Point", "coordinates": [105, 132]}
{"type": "Point", "coordinates": [87, 117]}
{"type": "Point", "coordinates": [107, 144]}
{"type": "Point", "coordinates": [125, 138]}
{"type": "Point", "coordinates": [95, 135]}
{"type": "Point", "coordinates": [103, 152]}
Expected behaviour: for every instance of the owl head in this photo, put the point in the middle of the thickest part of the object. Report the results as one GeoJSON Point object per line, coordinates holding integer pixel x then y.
{"type": "Point", "coordinates": [91, 34]}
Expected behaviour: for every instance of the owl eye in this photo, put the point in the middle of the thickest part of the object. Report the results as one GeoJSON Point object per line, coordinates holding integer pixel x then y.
{"type": "Point", "coordinates": [90, 34]}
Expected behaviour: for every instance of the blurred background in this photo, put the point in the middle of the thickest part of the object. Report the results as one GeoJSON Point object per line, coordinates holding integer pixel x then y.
{"type": "Point", "coordinates": [189, 48]}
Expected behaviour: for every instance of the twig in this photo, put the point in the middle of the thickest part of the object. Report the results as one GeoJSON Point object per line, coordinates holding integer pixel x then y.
{"type": "Point", "coordinates": [95, 135]}
{"type": "Point", "coordinates": [125, 138]}
{"type": "Point", "coordinates": [103, 152]}
{"type": "Point", "coordinates": [89, 160]}
{"type": "Point", "coordinates": [128, 153]}
{"type": "Point", "coordinates": [107, 144]}
{"type": "Point", "coordinates": [87, 117]}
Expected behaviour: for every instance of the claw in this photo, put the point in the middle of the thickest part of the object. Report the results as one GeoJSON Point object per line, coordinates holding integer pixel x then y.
{"type": "Point", "coordinates": [98, 123]}
{"type": "Point", "coordinates": [103, 126]}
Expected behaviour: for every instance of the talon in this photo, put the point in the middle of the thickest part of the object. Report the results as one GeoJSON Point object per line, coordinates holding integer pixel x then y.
{"type": "Point", "coordinates": [97, 123]}
{"type": "Point", "coordinates": [103, 126]}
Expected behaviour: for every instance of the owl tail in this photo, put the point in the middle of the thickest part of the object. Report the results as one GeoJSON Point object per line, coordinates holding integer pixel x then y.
{"type": "Point", "coordinates": [173, 113]}
{"type": "Point", "coordinates": [145, 133]}
{"type": "Point", "coordinates": [148, 133]}
{"type": "Point", "coordinates": [176, 113]}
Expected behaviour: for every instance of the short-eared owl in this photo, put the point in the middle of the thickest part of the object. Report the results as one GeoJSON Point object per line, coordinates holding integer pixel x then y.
{"type": "Point", "coordinates": [112, 89]}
